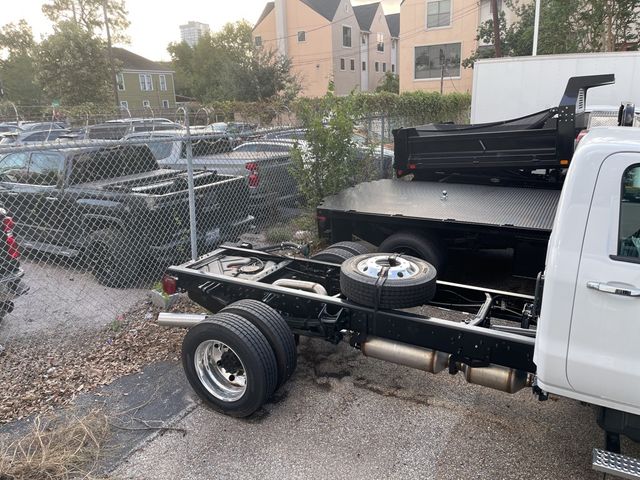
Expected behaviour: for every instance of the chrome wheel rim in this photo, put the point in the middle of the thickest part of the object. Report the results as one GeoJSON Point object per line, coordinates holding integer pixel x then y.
{"type": "Point", "coordinates": [220, 370]}
{"type": "Point", "coordinates": [391, 266]}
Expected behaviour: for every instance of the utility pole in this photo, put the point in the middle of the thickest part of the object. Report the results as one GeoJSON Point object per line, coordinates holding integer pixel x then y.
{"type": "Point", "coordinates": [536, 29]}
{"type": "Point", "coordinates": [442, 79]}
{"type": "Point", "coordinates": [112, 70]}
{"type": "Point", "coordinates": [497, 44]}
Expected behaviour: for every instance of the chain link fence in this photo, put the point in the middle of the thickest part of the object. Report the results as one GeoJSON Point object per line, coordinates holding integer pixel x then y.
{"type": "Point", "coordinates": [101, 205]}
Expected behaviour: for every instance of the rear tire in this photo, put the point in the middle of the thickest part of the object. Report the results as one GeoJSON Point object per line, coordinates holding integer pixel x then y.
{"type": "Point", "coordinates": [416, 245]}
{"type": "Point", "coordinates": [229, 364]}
{"type": "Point", "coordinates": [333, 255]}
{"type": "Point", "coordinates": [276, 331]}
{"type": "Point", "coordinates": [354, 247]}
{"type": "Point", "coordinates": [109, 262]}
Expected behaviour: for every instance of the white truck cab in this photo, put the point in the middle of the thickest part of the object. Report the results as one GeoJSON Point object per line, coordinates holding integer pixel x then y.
{"type": "Point", "coordinates": [588, 339]}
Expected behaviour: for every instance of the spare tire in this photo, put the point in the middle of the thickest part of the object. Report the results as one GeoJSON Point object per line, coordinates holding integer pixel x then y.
{"type": "Point", "coordinates": [384, 280]}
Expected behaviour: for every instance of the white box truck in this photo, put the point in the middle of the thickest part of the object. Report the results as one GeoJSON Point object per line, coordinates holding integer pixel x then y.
{"type": "Point", "coordinates": [516, 86]}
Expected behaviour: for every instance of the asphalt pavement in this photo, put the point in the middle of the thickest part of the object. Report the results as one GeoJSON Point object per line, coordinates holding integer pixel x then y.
{"type": "Point", "coordinates": [346, 416]}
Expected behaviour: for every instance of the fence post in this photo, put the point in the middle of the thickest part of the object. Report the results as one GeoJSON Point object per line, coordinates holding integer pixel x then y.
{"type": "Point", "coordinates": [382, 169]}
{"type": "Point", "coordinates": [192, 193]}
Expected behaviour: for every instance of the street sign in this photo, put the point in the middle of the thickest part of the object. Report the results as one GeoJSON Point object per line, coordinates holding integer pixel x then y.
{"type": "Point", "coordinates": [55, 103]}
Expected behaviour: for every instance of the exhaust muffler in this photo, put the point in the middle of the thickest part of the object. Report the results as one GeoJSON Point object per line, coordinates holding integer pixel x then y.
{"type": "Point", "coordinates": [180, 320]}
{"type": "Point", "coordinates": [501, 378]}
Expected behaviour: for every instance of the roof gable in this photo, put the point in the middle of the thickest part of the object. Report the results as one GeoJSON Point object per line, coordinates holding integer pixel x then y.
{"type": "Point", "coordinates": [365, 15]}
{"type": "Point", "coordinates": [132, 61]}
{"type": "Point", "coordinates": [393, 20]}
{"type": "Point", "coordinates": [326, 8]}
{"type": "Point", "coordinates": [267, 10]}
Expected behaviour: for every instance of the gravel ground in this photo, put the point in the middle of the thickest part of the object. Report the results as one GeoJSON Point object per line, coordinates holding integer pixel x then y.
{"type": "Point", "coordinates": [346, 416]}
{"type": "Point", "coordinates": [64, 299]}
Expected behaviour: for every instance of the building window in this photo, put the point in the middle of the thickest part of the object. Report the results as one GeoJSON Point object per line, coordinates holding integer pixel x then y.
{"type": "Point", "coordinates": [120, 82]}
{"type": "Point", "coordinates": [364, 39]}
{"type": "Point", "coordinates": [165, 103]}
{"type": "Point", "coordinates": [629, 234]}
{"type": "Point", "coordinates": [438, 13]}
{"type": "Point", "coordinates": [257, 41]}
{"type": "Point", "coordinates": [146, 82]}
{"type": "Point", "coordinates": [384, 67]}
{"type": "Point", "coordinates": [146, 104]}
{"type": "Point", "coordinates": [163, 83]}
{"type": "Point", "coordinates": [394, 44]}
{"type": "Point", "coordinates": [342, 64]}
{"type": "Point", "coordinates": [393, 68]}
{"type": "Point", "coordinates": [346, 36]}
{"type": "Point", "coordinates": [353, 64]}
{"type": "Point", "coordinates": [434, 60]}
{"type": "Point", "coordinates": [124, 104]}
{"type": "Point", "coordinates": [377, 65]}
{"type": "Point", "coordinates": [302, 37]}
{"type": "Point", "coordinates": [380, 39]}
{"type": "Point", "coordinates": [364, 66]}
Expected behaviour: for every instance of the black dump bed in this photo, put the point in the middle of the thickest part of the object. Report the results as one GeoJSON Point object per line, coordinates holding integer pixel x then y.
{"type": "Point", "coordinates": [543, 140]}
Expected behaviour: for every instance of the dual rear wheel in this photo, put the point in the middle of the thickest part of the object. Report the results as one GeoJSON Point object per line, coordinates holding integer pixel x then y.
{"type": "Point", "coordinates": [237, 358]}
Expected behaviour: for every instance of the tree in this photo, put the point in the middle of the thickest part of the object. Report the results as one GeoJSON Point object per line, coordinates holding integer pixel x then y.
{"type": "Point", "coordinates": [389, 83]}
{"type": "Point", "coordinates": [227, 66]}
{"type": "Point", "coordinates": [73, 66]}
{"type": "Point", "coordinates": [88, 15]}
{"type": "Point", "coordinates": [566, 26]}
{"type": "Point", "coordinates": [17, 64]}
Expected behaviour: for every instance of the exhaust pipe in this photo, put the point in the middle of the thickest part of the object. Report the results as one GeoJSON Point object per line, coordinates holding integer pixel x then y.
{"type": "Point", "coordinates": [497, 377]}
{"type": "Point", "coordinates": [301, 285]}
{"type": "Point", "coordinates": [181, 320]}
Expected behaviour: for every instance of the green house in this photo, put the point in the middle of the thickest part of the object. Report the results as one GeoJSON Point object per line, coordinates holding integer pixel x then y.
{"type": "Point", "coordinates": [143, 84]}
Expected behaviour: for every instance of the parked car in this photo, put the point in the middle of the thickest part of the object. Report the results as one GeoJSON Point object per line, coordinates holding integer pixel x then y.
{"type": "Point", "coordinates": [11, 283]}
{"type": "Point", "coordinates": [115, 207]}
{"type": "Point", "coordinates": [118, 129]}
{"type": "Point", "coordinates": [9, 128]}
{"type": "Point", "coordinates": [37, 126]}
{"type": "Point", "coordinates": [384, 163]}
{"type": "Point", "coordinates": [30, 136]}
{"type": "Point", "coordinates": [265, 165]}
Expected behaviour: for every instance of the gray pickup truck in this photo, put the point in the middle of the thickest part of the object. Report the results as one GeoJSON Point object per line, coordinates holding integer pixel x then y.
{"type": "Point", "coordinates": [266, 165]}
{"type": "Point", "coordinates": [114, 206]}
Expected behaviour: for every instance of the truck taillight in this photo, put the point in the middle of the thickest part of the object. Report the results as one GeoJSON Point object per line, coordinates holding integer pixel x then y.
{"type": "Point", "coordinates": [322, 224]}
{"type": "Point", "coordinates": [12, 247]}
{"type": "Point", "coordinates": [254, 179]}
{"type": "Point", "coordinates": [8, 224]}
{"type": "Point", "coordinates": [169, 284]}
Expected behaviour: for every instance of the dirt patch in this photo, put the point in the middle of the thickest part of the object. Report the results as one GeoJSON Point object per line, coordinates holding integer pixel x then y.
{"type": "Point", "coordinates": [39, 374]}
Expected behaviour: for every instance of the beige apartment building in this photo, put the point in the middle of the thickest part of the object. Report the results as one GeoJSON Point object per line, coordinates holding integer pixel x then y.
{"type": "Point", "coordinates": [328, 40]}
{"type": "Point", "coordinates": [435, 36]}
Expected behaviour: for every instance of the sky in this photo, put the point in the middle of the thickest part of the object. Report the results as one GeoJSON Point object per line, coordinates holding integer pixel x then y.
{"type": "Point", "coordinates": [154, 24]}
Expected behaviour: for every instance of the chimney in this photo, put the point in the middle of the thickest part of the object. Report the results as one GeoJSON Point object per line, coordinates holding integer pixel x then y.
{"type": "Point", "coordinates": [281, 26]}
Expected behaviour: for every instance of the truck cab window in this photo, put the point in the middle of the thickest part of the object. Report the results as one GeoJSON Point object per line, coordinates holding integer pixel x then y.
{"type": "Point", "coordinates": [629, 235]}
{"type": "Point", "coordinates": [44, 168]}
{"type": "Point", "coordinates": [13, 167]}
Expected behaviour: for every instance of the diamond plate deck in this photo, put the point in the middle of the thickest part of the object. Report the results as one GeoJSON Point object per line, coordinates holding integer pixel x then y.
{"type": "Point", "coordinates": [615, 464]}
{"type": "Point", "coordinates": [525, 208]}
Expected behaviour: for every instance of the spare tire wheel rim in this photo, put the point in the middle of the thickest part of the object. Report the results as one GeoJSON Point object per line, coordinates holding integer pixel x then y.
{"type": "Point", "coordinates": [220, 370]}
{"type": "Point", "coordinates": [395, 266]}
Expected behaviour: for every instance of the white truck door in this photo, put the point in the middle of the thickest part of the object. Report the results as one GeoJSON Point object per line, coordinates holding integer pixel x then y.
{"type": "Point", "coordinates": [603, 357]}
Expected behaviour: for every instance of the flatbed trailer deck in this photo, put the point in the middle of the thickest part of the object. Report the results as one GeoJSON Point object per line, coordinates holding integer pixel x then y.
{"type": "Point", "coordinates": [454, 215]}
